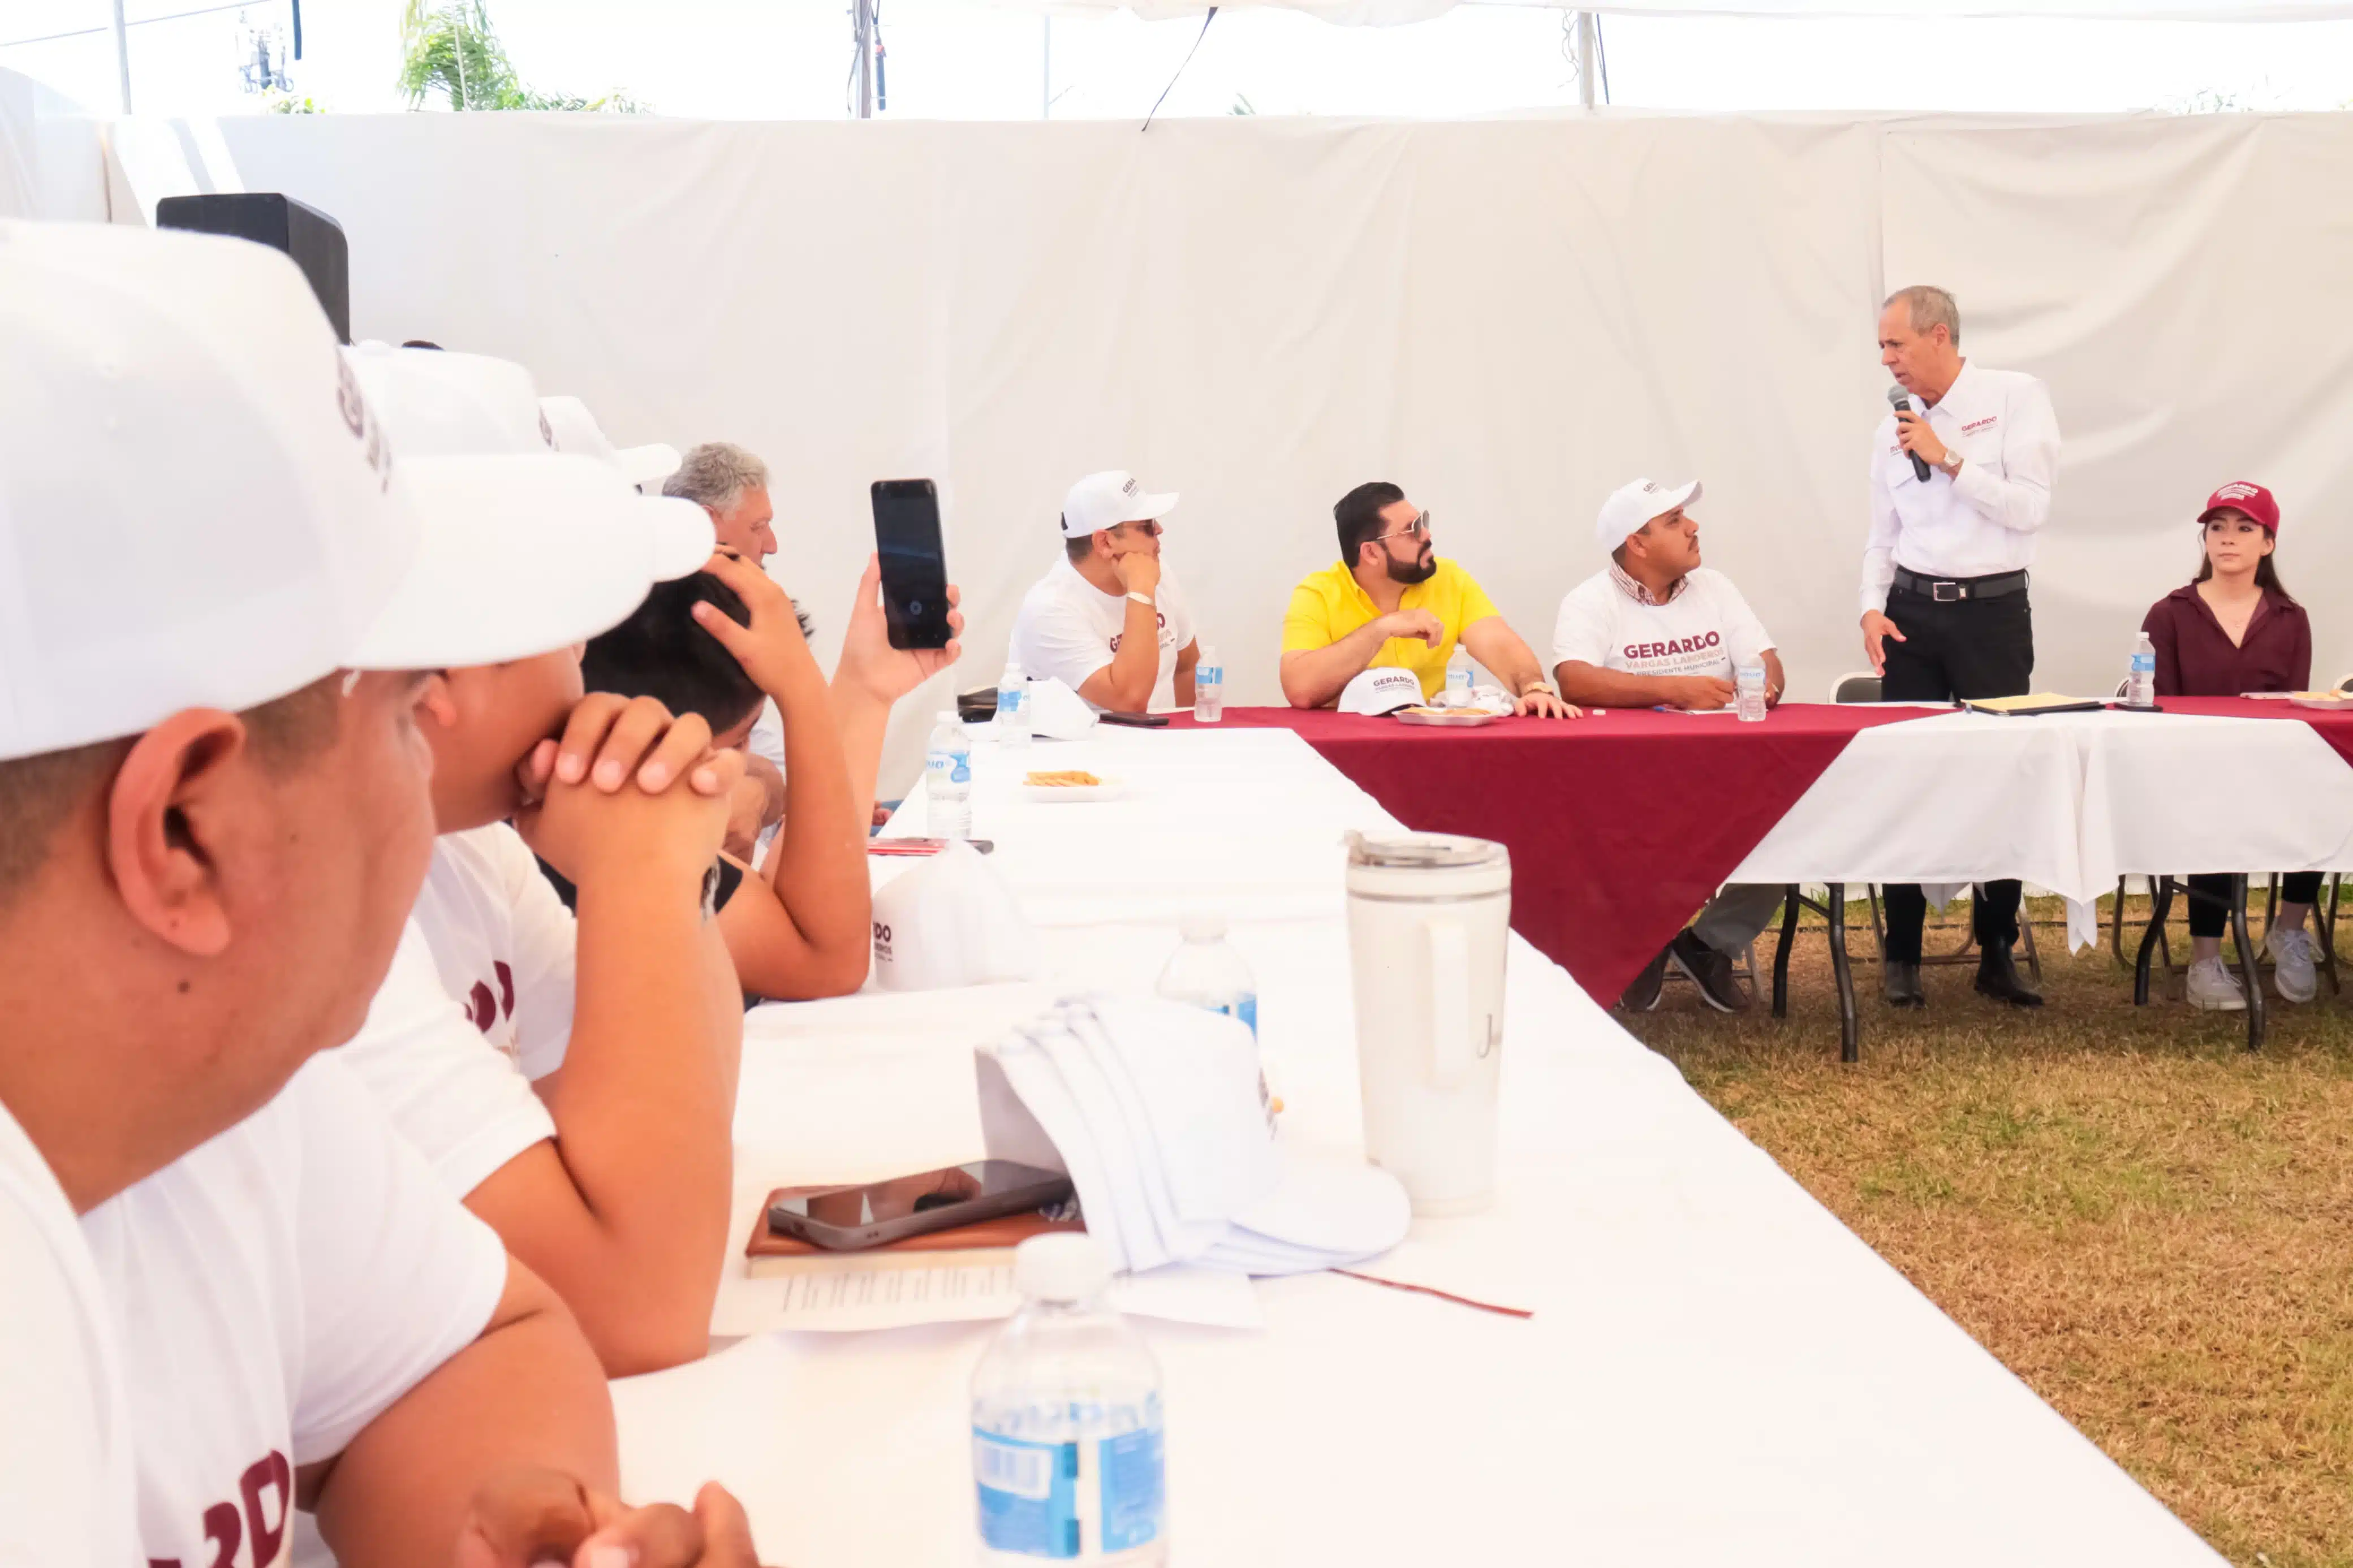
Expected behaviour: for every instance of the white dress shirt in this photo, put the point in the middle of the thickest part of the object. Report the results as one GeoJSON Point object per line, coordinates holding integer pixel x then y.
{"type": "Point", "coordinates": [1982, 521]}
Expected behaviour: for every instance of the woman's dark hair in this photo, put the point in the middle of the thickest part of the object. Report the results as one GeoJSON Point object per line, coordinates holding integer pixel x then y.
{"type": "Point", "coordinates": [2266, 575]}
{"type": "Point", "coordinates": [660, 652]}
{"type": "Point", "coordinates": [1357, 516]}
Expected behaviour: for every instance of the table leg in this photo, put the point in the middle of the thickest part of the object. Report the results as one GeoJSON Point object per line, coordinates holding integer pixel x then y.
{"type": "Point", "coordinates": [1781, 954]}
{"type": "Point", "coordinates": [1835, 909]}
{"type": "Point", "coordinates": [2247, 969]}
{"type": "Point", "coordinates": [2160, 905]}
{"type": "Point", "coordinates": [2329, 932]}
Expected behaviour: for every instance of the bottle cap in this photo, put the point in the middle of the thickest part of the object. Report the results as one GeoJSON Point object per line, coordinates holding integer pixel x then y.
{"type": "Point", "coordinates": [1060, 1265]}
{"type": "Point", "coordinates": [1203, 926]}
{"type": "Point", "coordinates": [1012, 667]}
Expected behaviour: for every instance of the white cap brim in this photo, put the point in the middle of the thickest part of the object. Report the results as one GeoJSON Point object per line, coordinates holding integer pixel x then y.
{"type": "Point", "coordinates": [644, 465]}
{"type": "Point", "coordinates": [1325, 1205]}
{"type": "Point", "coordinates": [519, 556]}
{"type": "Point", "coordinates": [1143, 509]}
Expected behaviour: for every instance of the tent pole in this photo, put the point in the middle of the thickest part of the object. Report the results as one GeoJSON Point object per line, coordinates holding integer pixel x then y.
{"type": "Point", "coordinates": [864, 26]}
{"type": "Point", "coordinates": [122, 55]}
{"type": "Point", "coordinates": [1585, 60]}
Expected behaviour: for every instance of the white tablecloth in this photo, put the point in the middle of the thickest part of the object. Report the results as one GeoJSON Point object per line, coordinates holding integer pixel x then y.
{"type": "Point", "coordinates": [1718, 1372]}
{"type": "Point", "coordinates": [2068, 801]}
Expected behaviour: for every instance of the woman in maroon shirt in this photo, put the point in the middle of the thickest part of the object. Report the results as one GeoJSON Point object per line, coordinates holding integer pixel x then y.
{"type": "Point", "coordinates": [2233, 630]}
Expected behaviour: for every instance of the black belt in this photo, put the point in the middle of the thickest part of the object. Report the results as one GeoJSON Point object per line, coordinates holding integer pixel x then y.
{"type": "Point", "coordinates": [1951, 590]}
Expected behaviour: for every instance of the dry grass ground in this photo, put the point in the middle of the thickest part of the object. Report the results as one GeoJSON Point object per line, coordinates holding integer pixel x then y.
{"type": "Point", "coordinates": [2151, 1226]}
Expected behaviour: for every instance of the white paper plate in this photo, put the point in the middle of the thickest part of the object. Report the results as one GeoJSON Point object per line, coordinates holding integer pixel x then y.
{"type": "Point", "coordinates": [2324, 704]}
{"type": "Point", "coordinates": [1110, 789]}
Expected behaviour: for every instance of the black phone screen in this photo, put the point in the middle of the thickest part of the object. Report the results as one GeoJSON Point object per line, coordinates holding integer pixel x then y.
{"type": "Point", "coordinates": [914, 565]}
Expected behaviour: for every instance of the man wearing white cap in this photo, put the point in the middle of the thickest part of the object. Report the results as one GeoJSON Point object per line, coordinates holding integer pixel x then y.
{"type": "Point", "coordinates": [213, 817]}
{"type": "Point", "coordinates": [1109, 621]}
{"type": "Point", "coordinates": [619, 1170]}
{"type": "Point", "coordinates": [1656, 629]}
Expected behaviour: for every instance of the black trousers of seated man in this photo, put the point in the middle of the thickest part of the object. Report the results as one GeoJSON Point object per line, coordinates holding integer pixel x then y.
{"type": "Point", "coordinates": [1956, 650]}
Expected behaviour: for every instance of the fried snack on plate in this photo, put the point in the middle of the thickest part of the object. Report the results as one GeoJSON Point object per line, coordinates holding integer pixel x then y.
{"type": "Point", "coordinates": [1071, 778]}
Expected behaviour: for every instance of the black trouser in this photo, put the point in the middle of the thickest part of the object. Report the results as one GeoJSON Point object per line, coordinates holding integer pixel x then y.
{"type": "Point", "coordinates": [2209, 915]}
{"type": "Point", "coordinates": [1964, 648]}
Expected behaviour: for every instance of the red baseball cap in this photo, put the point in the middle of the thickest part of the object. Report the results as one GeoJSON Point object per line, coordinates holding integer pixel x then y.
{"type": "Point", "coordinates": [2239, 495]}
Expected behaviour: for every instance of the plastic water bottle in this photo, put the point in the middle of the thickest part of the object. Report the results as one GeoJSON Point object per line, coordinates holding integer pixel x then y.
{"type": "Point", "coordinates": [1748, 692]}
{"type": "Point", "coordinates": [1012, 706]}
{"type": "Point", "coordinates": [947, 779]}
{"type": "Point", "coordinates": [2140, 687]}
{"type": "Point", "coordinates": [1066, 1439]}
{"type": "Point", "coordinates": [1458, 671]}
{"type": "Point", "coordinates": [1207, 972]}
{"type": "Point", "coordinates": [1208, 687]}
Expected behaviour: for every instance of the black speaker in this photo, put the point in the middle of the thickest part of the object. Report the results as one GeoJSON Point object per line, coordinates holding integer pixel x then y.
{"type": "Point", "coordinates": [313, 239]}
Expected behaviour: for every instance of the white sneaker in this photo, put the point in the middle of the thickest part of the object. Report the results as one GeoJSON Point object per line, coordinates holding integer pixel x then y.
{"type": "Point", "coordinates": [2291, 972]}
{"type": "Point", "coordinates": [2213, 987]}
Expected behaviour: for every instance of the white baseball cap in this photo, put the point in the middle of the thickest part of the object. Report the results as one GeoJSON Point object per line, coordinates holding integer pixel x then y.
{"type": "Point", "coordinates": [577, 432]}
{"type": "Point", "coordinates": [198, 507]}
{"type": "Point", "coordinates": [1156, 1112]}
{"type": "Point", "coordinates": [1107, 499]}
{"type": "Point", "coordinates": [1630, 506]}
{"type": "Point", "coordinates": [528, 550]}
{"type": "Point", "coordinates": [950, 920]}
{"type": "Point", "coordinates": [441, 404]}
{"type": "Point", "coordinates": [1386, 689]}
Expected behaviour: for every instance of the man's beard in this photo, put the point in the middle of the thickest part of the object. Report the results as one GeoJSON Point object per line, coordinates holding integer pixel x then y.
{"type": "Point", "coordinates": [1417, 570]}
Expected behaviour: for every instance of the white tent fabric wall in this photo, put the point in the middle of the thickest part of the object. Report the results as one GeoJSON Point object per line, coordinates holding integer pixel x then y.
{"type": "Point", "coordinates": [1509, 318]}
{"type": "Point", "coordinates": [50, 158]}
{"type": "Point", "coordinates": [1390, 13]}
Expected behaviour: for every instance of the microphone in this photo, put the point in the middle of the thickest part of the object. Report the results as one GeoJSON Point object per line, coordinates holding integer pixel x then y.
{"type": "Point", "coordinates": [1901, 401]}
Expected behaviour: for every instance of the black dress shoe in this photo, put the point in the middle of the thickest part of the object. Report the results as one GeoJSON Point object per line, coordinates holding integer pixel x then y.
{"type": "Point", "coordinates": [1998, 978]}
{"type": "Point", "coordinates": [1899, 985]}
{"type": "Point", "coordinates": [1642, 995]}
{"type": "Point", "coordinates": [1710, 971]}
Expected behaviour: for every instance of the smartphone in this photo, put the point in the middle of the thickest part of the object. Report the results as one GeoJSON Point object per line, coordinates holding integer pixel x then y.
{"type": "Point", "coordinates": [1134, 720]}
{"type": "Point", "coordinates": [915, 564]}
{"type": "Point", "coordinates": [922, 845]}
{"type": "Point", "coordinates": [851, 1219]}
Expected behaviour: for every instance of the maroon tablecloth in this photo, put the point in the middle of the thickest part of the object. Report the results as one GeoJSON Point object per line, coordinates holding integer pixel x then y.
{"type": "Point", "coordinates": [2336, 729]}
{"type": "Point", "coordinates": [1619, 824]}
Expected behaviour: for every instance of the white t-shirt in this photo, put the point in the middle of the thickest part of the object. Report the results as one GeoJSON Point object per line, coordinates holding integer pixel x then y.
{"type": "Point", "coordinates": [65, 1429]}
{"type": "Point", "coordinates": [504, 944]}
{"type": "Point", "coordinates": [276, 1290]}
{"type": "Point", "coordinates": [1706, 628]}
{"type": "Point", "coordinates": [461, 1100]}
{"type": "Point", "coordinates": [1069, 628]}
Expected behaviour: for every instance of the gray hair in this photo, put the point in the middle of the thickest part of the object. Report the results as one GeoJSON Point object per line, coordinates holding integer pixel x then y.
{"type": "Point", "coordinates": [1929, 307]}
{"type": "Point", "coordinates": [715, 474]}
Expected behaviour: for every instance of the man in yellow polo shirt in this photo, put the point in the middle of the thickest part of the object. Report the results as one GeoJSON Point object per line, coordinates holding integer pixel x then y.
{"type": "Point", "coordinates": [1389, 601]}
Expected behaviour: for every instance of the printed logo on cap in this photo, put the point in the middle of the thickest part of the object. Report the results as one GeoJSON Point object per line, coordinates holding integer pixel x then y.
{"type": "Point", "coordinates": [2237, 490]}
{"type": "Point", "coordinates": [364, 428]}
{"type": "Point", "coordinates": [1130, 488]}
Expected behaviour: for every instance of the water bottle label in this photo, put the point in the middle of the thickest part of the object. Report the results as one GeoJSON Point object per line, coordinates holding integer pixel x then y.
{"type": "Point", "coordinates": [955, 767]}
{"type": "Point", "coordinates": [1134, 1485]}
{"type": "Point", "coordinates": [1028, 1495]}
{"type": "Point", "coordinates": [1209, 674]}
{"type": "Point", "coordinates": [1245, 1009]}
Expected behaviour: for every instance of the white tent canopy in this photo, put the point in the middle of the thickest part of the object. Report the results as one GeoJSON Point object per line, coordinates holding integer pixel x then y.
{"type": "Point", "coordinates": [1387, 12]}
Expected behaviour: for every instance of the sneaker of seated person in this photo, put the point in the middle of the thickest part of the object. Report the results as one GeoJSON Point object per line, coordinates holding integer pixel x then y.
{"type": "Point", "coordinates": [1642, 994]}
{"type": "Point", "coordinates": [2292, 975]}
{"type": "Point", "coordinates": [1710, 971]}
{"type": "Point", "coordinates": [2214, 988]}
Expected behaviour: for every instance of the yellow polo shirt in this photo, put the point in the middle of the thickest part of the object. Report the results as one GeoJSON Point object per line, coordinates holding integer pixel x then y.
{"type": "Point", "coordinates": [1329, 605]}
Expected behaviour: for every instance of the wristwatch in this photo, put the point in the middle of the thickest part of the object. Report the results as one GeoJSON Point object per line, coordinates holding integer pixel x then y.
{"type": "Point", "coordinates": [1144, 599]}
{"type": "Point", "coordinates": [1539, 684]}
{"type": "Point", "coordinates": [1950, 463]}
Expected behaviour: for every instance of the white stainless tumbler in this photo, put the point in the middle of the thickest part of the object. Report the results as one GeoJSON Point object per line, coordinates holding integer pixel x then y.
{"type": "Point", "coordinates": [1428, 916]}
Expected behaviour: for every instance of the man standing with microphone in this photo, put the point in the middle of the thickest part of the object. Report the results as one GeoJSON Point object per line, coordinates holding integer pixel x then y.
{"type": "Point", "coordinates": [1960, 482]}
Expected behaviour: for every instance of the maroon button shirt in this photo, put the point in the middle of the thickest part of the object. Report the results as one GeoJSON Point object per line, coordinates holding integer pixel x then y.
{"type": "Point", "coordinates": [2194, 657]}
